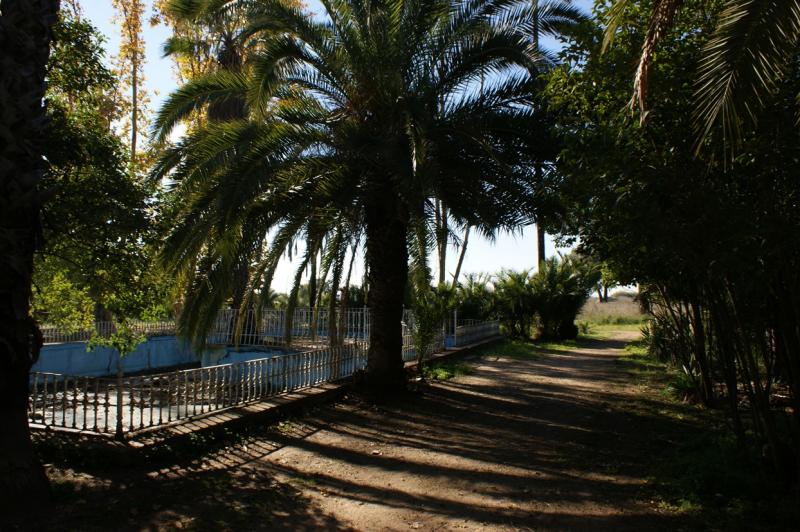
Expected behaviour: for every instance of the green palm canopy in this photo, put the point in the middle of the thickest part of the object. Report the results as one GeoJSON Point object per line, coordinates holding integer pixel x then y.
{"type": "Point", "coordinates": [356, 119]}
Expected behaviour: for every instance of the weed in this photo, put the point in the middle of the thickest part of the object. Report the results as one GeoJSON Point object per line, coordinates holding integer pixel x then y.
{"type": "Point", "coordinates": [446, 370]}
{"type": "Point", "coordinates": [507, 348]}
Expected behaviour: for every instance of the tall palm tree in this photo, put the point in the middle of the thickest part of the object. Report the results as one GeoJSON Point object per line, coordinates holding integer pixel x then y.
{"type": "Point", "coordinates": [549, 18]}
{"type": "Point", "coordinates": [751, 49]}
{"type": "Point", "coordinates": [25, 33]}
{"type": "Point", "coordinates": [346, 136]}
{"type": "Point", "coordinates": [216, 34]}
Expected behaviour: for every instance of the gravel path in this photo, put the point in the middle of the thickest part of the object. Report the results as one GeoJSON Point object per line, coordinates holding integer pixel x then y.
{"type": "Point", "coordinates": [560, 441]}
{"type": "Point", "coordinates": [520, 444]}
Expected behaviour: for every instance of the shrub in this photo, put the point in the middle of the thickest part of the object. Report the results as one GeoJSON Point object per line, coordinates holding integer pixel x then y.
{"type": "Point", "coordinates": [560, 288]}
{"type": "Point", "coordinates": [514, 302]}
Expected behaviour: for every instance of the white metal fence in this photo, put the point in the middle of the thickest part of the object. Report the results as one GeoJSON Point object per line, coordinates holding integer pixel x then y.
{"type": "Point", "coordinates": [474, 331]}
{"type": "Point", "coordinates": [53, 334]}
{"type": "Point", "coordinates": [264, 327]}
{"type": "Point", "coordinates": [127, 405]}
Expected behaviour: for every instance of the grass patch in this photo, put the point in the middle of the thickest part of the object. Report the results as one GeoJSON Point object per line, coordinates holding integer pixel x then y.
{"type": "Point", "coordinates": [605, 331]}
{"type": "Point", "coordinates": [564, 345]}
{"type": "Point", "coordinates": [709, 477]}
{"type": "Point", "coordinates": [509, 348]}
{"type": "Point", "coordinates": [446, 370]}
{"type": "Point", "coordinates": [700, 471]}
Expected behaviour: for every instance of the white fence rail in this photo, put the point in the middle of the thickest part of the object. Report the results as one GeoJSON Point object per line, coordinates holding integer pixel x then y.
{"type": "Point", "coordinates": [474, 331]}
{"type": "Point", "coordinates": [265, 327]}
{"type": "Point", "coordinates": [53, 334]}
{"type": "Point", "coordinates": [124, 406]}
{"type": "Point", "coordinates": [128, 405]}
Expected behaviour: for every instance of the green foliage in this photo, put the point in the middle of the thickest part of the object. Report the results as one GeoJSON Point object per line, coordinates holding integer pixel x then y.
{"type": "Point", "coordinates": [123, 340]}
{"type": "Point", "coordinates": [548, 300]}
{"type": "Point", "coordinates": [560, 288]}
{"type": "Point", "coordinates": [96, 221]}
{"type": "Point", "coordinates": [446, 370]}
{"type": "Point", "coordinates": [430, 307]}
{"type": "Point", "coordinates": [715, 242]}
{"type": "Point", "coordinates": [62, 304]}
{"type": "Point", "coordinates": [514, 302]}
{"type": "Point", "coordinates": [77, 71]}
{"type": "Point", "coordinates": [473, 297]}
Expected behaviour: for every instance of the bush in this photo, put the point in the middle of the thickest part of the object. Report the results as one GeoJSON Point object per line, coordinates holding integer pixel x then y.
{"type": "Point", "coordinates": [560, 289]}
{"type": "Point", "coordinates": [514, 302]}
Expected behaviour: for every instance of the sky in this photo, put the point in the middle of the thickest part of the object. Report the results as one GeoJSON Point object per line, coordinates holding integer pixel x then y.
{"type": "Point", "coordinates": [515, 251]}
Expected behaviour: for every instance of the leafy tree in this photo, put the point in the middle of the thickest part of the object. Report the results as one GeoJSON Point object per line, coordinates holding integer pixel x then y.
{"type": "Point", "coordinates": [345, 138]}
{"type": "Point", "coordinates": [130, 70]}
{"type": "Point", "coordinates": [62, 303]}
{"type": "Point", "coordinates": [748, 52]}
{"type": "Point", "coordinates": [714, 241]}
{"type": "Point", "coordinates": [474, 297]}
{"type": "Point", "coordinates": [25, 33]}
{"type": "Point", "coordinates": [96, 222]}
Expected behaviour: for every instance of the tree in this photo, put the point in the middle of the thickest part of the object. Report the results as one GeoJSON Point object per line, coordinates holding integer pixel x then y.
{"type": "Point", "coordinates": [556, 19]}
{"type": "Point", "coordinates": [96, 223]}
{"type": "Point", "coordinates": [713, 241]}
{"type": "Point", "coordinates": [750, 50]}
{"type": "Point", "coordinates": [345, 137]}
{"type": "Point", "coordinates": [514, 302]}
{"type": "Point", "coordinates": [25, 33]}
{"type": "Point", "coordinates": [130, 70]}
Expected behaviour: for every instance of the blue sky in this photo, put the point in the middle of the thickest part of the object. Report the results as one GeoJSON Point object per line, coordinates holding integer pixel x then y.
{"type": "Point", "coordinates": [513, 251]}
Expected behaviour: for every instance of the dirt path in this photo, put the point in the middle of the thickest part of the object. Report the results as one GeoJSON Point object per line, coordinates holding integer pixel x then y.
{"type": "Point", "coordinates": [556, 442]}
{"type": "Point", "coordinates": [519, 444]}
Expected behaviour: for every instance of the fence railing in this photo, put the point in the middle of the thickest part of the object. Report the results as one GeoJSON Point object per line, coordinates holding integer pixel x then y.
{"type": "Point", "coordinates": [53, 334]}
{"type": "Point", "coordinates": [265, 327]}
{"type": "Point", "coordinates": [269, 326]}
{"type": "Point", "coordinates": [474, 331]}
{"type": "Point", "coordinates": [125, 406]}
{"type": "Point", "coordinates": [307, 326]}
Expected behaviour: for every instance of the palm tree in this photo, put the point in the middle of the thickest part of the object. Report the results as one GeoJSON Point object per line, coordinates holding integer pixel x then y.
{"type": "Point", "coordinates": [750, 50]}
{"type": "Point", "coordinates": [514, 301]}
{"type": "Point", "coordinates": [347, 141]}
{"type": "Point", "coordinates": [549, 18]}
{"type": "Point", "coordinates": [25, 33]}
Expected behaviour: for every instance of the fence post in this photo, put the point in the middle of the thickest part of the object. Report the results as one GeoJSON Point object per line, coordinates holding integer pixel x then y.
{"type": "Point", "coordinates": [455, 328]}
{"type": "Point", "coordinates": [118, 433]}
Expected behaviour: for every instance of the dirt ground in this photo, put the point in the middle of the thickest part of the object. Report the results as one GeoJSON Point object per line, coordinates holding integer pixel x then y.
{"type": "Point", "coordinates": [522, 443]}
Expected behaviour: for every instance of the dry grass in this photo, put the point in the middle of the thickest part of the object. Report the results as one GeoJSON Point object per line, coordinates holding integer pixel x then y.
{"type": "Point", "coordinates": [620, 309]}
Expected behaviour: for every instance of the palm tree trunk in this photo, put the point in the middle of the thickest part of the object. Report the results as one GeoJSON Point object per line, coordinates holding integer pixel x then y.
{"type": "Point", "coordinates": [25, 32]}
{"type": "Point", "coordinates": [441, 238]}
{"type": "Point", "coordinates": [540, 244]}
{"type": "Point", "coordinates": [461, 256]}
{"type": "Point", "coordinates": [387, 257]}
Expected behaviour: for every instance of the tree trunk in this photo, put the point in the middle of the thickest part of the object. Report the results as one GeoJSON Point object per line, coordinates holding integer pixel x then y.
{"type": "Point", "coordinates": [441, 238]}
{"type": "Point", "coordinates": [25, 32]}
{"type": "Point", "coordinates": [387, 257]}
{"type": "Point", "coordinates": [312, 284]}
{"type": "Point", "coordinates": [540, 244]}
{"type": "Point", "coordinates": [134, 112]}
{"type": "Point", "coordinates": [461, 257]}
{"type": "Point", "coordinates": [700, 353]}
